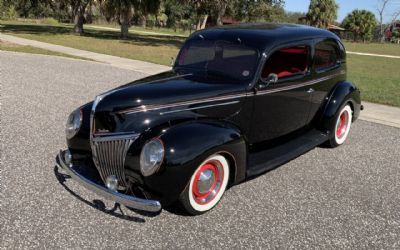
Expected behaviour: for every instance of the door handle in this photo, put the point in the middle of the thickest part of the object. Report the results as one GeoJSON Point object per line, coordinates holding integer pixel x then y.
{"type": "Point", "coordinates": [311, 90]}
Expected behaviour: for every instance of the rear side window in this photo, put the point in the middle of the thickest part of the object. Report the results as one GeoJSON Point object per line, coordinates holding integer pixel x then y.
{"type": "Point", "coordinates": [327, 55]}
{"type": "Point", "coordinates": [287, 62]}
{"type": "Point", "coordinates": [238, 52]}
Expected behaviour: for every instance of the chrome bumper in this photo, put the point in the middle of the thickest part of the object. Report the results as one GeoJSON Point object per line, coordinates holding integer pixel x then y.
{"type": "Point", "coordinates": [127, 200]}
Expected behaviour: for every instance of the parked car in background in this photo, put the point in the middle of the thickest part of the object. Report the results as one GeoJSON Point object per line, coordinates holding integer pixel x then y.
{"type": "Point", "coordinates": [239, 101]}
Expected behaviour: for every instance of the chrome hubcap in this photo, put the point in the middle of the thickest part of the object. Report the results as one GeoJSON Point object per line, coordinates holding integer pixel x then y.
{"type": "Point", "coordinates": [205, 181]}
{"type": "Point", "coordinates": [208, 181]}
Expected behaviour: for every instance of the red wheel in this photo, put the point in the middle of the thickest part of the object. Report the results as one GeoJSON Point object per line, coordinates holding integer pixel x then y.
{"type": "Point", "coordinates": [207, 185]}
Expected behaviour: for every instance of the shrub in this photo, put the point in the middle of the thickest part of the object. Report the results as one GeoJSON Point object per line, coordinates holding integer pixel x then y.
{"type": "Point", "coordinates": [7, 12]}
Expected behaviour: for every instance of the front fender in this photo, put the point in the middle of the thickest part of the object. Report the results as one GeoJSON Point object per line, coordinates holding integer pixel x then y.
{"type": "Point", "coordinates": [186, 146]}
{"type": "Point", "coordinates": [343, 92]}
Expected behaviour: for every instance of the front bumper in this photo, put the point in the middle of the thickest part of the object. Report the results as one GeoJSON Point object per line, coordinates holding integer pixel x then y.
{"type": "Point", "coordinates": [127, 200]}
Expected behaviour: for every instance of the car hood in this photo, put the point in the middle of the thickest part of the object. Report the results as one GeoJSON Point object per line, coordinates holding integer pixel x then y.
{"type": "Point", "coordinates": [131, 106]}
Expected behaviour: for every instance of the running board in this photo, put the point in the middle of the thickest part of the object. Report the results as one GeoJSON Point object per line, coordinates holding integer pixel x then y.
{"type": "Point", "coordinates": [268, 159]}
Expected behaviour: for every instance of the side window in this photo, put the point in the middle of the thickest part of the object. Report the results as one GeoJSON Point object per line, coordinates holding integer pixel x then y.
{"type": "Point", "coordinates": [198, 53]}
{"type": "Point", "coordinates": [327, 55]}
{"type": "Point", "coordinates": [287, 62]}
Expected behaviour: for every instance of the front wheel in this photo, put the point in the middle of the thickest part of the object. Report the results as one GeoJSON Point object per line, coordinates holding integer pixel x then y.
{"type": "Point", "coordinates": [341, 128]}
{"type": "Point", "coordinates": [207, 185]}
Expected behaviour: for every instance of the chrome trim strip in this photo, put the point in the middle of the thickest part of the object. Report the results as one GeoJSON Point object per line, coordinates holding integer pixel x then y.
{"type": "Point", "coordinates": [115, 137]}
{"type": "Point", "coordinates": [200, 107]}
{"type": "Point", "coordinates": [165, 79]}
{"type": "Point", "coordinates": [145, 108]}
{"type": "Point", "coordinates": [295, 86]}
{"type": "Point", "coordinates": [127, 200]}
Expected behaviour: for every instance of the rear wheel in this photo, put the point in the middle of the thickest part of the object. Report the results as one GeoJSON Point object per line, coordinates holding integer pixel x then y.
{"type": "Point", "coordinates": [341, 128]}
{"type": "Point", "coordinates": [207, 185]}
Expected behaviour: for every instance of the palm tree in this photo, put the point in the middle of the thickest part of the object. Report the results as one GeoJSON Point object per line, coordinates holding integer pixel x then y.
{"type": "Point", "coordinates": [322, 12]}
{"type": "Point", "coordinates": [122, 10]}
{"type": "Point", "coordinates": [362, 23]}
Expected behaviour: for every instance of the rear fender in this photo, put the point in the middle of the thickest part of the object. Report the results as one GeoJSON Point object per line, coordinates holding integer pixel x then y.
{"type": "Point", "coordinates": [343, 92]}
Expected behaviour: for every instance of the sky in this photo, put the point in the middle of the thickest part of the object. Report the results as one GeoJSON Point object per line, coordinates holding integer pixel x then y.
{"type": "Point", "coordinates": [346, 6]}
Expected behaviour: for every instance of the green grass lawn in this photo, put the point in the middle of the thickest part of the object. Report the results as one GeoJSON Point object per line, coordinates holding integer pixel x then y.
{"type": "Point", "coordinates": [32, 50]}
{"type": "Point", "coordinates": [377, 77]}
{"type": "Point", "coordinates": [139, 29]}
{"type": "Point", "coordinates": [146, 47]}
{"type": "Point", "coordinates": [374, 48]}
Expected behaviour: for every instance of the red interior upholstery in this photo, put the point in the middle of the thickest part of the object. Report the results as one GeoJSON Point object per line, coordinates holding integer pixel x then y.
{"type": "Point", "coordinates": [286, 62]}
{"type": "Point", "coordinates": [324, 58]}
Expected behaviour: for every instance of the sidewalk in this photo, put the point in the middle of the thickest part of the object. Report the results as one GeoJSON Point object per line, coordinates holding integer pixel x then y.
{"type": "Point", "coordinates": [139, 66]}
{"type": "Point", "coordinates": [372, 112]}
{"type": "Point", "coordinates": [370, 54]}
{"type": "Point", "coordinates": [382, 114]}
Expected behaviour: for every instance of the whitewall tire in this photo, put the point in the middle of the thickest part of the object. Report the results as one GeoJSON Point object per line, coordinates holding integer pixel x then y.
{"type": "Point", "coordinates": [341, 127]}
{"type": "Point", "coordinates": [207, 185]}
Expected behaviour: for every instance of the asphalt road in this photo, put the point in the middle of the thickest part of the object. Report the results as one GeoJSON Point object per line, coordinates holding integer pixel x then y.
{"type": "Point", "coordinates": [348, 197]}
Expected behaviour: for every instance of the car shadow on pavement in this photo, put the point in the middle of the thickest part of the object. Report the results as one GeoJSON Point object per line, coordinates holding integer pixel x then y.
{"type": "Point", "coordinates": [115, 211]}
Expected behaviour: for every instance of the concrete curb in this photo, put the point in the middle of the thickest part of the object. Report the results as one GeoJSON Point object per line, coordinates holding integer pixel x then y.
{"type": "Point", "coordinates": [381, 114]}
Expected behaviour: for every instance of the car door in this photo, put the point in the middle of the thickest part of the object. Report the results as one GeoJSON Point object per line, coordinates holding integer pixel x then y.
{"type": "Point", "coordinates": [329, 65]}
{"type": "Point", "coordinates": [282, 108]}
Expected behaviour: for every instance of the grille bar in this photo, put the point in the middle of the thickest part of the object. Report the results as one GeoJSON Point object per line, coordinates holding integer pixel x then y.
{"type": "Point", "coordinates": [109, 153]}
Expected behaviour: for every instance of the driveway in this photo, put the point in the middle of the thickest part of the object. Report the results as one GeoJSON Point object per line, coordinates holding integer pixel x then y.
{"type": "Point", "coordinates": [348, 197]}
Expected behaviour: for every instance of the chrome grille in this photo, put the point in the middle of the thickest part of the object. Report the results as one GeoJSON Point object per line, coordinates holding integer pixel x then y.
{"type": "Point", "coordinates": [109, 154]}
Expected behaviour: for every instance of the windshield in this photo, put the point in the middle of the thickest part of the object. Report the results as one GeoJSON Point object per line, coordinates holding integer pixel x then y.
{"type": "Point", "coordinates": [234, 62]}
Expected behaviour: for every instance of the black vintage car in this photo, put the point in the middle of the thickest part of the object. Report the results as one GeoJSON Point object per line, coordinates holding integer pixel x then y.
{"type": "Point", "coordinates": [239, 101]}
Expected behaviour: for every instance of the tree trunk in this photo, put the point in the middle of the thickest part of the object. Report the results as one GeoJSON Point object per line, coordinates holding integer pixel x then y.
{"type": "Point", "coordinates": [79, 19]}
{"type": "Point", "coordinates": [203, 26]}
{"type": "Point", "coordinates": [125, 23]}
{"type": "Point", "coordinates": [198, 25]}
{"type": "Point", "coordinates": [144, 20]}
{"type": "Point", "coordinates": [381, 33]}
{"type": "Point", "coordinates": [221, 13]}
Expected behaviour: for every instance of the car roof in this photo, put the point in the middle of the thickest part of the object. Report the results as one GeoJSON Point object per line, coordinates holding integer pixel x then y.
{"type": "Point", "coordinates": [265, 34]}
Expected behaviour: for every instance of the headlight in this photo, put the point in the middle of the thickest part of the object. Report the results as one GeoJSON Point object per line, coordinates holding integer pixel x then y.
{"type": "Point", "coordinates": [151, 157]}
{"type": "Point", "coordinates": [74, 123]}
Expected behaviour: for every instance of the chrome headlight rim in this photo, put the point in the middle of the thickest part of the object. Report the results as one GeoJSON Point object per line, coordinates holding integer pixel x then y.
{"type": "Point", "coordinates": [74, 123]}
{"type": "Point", "coordinates": [147, 167]}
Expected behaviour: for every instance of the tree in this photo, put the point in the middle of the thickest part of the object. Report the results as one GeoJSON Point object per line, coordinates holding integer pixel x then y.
{"type": "Point", "coordinates": [78, 12]}
{"type": "Point", "coordinates": [293, 17]}
{"type": "Point", "coordinates": [362, 23]}
{"type": "Point", "coordinates": [221, 6]}
{"type": "Point", "coordinates": [7, 10]}
{"type": "Point", "coordinates": [259, 10]}
{"type": "Point", "coordinates": [146, 7]}
{"type": "Point", "coordinates": [381, 11]}
{"type": "Point", "coordinates": [322, 12]}
{"type": "Point", "coordinates": [201, 9]}
{"type": "Point", "coordinates": [177, 12]}
{"type": "Point", "coordinates": [122, 11]}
